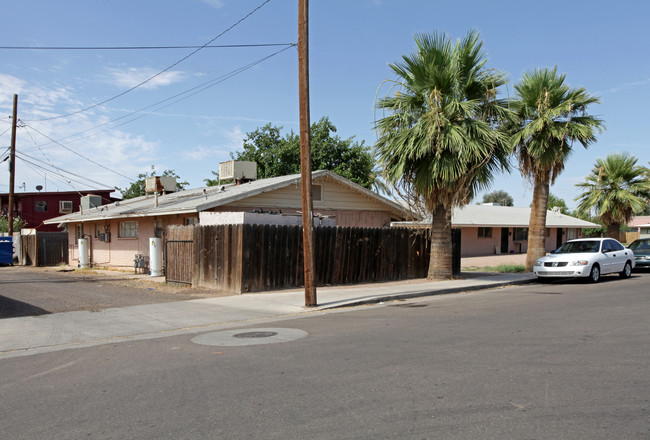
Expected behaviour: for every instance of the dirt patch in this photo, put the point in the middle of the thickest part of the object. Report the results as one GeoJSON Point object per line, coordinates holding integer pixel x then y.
{"type": "Point", "coordinates": [29, 291]}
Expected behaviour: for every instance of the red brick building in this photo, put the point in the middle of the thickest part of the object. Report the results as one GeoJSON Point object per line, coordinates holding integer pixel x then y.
{"type": "Point", "coordinates": [36, 207]}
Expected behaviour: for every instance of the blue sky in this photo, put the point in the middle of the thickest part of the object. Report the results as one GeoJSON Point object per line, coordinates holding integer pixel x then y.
{"type": "Point", "coordinates": [602, 46]}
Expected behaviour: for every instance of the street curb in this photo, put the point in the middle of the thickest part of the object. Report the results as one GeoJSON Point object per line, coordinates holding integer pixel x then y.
{"type": "Point", "coordinates": [423, 293]}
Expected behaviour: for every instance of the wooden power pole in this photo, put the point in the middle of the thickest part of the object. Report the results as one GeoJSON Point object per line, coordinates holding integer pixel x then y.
{"type": "Point", "coordinates": [305, 153]}
{"type": "Point", "coordinates": [12, 169]}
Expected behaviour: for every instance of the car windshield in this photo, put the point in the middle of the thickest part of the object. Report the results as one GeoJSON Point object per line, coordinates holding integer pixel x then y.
{"type": "Point", "coordinates": [640, 244]}
{"type": "Point", "coordinates": [578, 247]}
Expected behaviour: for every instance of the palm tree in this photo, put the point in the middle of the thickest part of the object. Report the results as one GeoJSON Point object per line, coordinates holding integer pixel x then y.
{"type": "Point", "coordinates": [552, 116]}
{"type": "Point", "coordinates": [617, 188]}
{"type": "Point", "coordinates": [439, 140]}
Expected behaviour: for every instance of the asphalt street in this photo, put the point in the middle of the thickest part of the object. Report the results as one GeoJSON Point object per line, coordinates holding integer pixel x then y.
{"type": "Point", "coordinates": [553, 361]}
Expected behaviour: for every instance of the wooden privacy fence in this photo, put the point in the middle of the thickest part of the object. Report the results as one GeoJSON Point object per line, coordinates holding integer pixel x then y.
{"type": "Point", "coordinates": [252, 258]}
{"type": "Point", "coordinates": [44, 249]}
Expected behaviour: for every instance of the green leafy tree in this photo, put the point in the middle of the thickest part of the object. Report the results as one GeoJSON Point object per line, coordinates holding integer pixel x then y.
{"type": "Point", "coordinates": [499, 196]}
{"type": "Point", "coordinates": [137, 188]}
{"type": "Point", "coordinates": [552, 116]}
{"type": "Point", "coordinates": [590, 232]}
{"type": "Point", "coordinates": [556, 202]}
{"type": "Point", "coordinates": [616, 189]}
{"type": "Point", "coordinates": [212, 182]}
{"type": "Point", "coordinates": [18, 223]}
{"type": "Point", "coordinates": [439, 141]}
{"type": "Point", "coordinates": [278, 155]}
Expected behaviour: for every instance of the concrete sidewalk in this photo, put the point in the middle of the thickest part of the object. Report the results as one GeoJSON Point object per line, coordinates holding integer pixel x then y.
{"type": "Point", "coordinates": [32, 335]}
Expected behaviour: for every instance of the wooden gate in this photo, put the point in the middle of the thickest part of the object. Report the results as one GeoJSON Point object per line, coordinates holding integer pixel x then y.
{"type": "Point", "coordinates": [52, 248]}
{"type": "Point", "coordinates": [178, 261]}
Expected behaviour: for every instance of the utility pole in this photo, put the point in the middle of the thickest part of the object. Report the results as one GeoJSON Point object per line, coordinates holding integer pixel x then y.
{"type": "Point", "coordinates": [305, 153]}
{"type": "Point", "coordinates": [12, 169]}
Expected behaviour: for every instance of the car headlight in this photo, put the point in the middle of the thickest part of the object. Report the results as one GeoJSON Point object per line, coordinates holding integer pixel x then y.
{"type": "Point", "coordinates": [538, 263]}
{"type": "Point", "coordinates": [579, 263]}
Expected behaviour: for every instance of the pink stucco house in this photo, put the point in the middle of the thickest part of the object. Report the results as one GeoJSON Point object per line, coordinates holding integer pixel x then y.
{"type": "Point", "coordinates": [492, 229]}
{"type": "Point", "coordinates": [117, 232]}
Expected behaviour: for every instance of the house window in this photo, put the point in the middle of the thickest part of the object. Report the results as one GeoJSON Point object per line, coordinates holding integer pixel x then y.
{"type": "Point", "coordinates": [40, 206]}
{"type": "Point", "coordinates": [128, 230]}
{"type": "Point", "coordinates": [317, 193]}
{"type": "Point", "coordinates": [484, 232]}
{"type": "Point", "coordinates": [520, 234]}
{"type": "Point", "coordinates": [190, 221]}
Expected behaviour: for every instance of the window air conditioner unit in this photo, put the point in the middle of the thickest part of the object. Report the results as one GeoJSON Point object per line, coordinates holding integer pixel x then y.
{"type": "Point", "coordinates": [65, 207]}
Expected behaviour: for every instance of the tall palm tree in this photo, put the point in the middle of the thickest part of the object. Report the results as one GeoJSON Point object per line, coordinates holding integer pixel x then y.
{"type": "Point", "coordinates": [552, 116]}
{"type": "Point", "coordinates": [439, 139]}
{"type": "Point", "coordinates": [617, 188]}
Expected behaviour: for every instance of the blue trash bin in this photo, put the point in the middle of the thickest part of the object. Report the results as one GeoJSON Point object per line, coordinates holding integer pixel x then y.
{"type": "Point", "coordinates": [6, 250]}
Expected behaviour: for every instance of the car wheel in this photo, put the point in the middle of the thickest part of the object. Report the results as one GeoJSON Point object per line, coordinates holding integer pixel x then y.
{"type": "Point", "coordinates": [594, 275]}
{"type": "Point", "coordinates": [627, 270]}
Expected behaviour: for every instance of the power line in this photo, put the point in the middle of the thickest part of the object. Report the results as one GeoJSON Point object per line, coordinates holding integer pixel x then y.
{"type": "Point", "coordinates": [67, 180]}
{"type": "Point", "coordinates": [81, 155]}
{"type": "Point", "coordinates": [157, 74]}
{"type": "Point", "coordinates": [58, 170]}
{"type": "Point", "coordinates": [197, 89]}
{"type": "Point", "coordinates": [140, 47]}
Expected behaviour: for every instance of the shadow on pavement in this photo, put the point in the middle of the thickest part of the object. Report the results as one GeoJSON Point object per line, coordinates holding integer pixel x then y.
{"type": "Point", "coordinates": [10, 308]}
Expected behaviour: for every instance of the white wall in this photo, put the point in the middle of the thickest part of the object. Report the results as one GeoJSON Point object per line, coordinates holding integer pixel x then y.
{"type": "Point", "coordinates": [251, 218]}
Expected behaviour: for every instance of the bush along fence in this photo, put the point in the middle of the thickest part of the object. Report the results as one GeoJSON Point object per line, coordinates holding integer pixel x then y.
{"type": "Point", "coordinates": [253, 258]}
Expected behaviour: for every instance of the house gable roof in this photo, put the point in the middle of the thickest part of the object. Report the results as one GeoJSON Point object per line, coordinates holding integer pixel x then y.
{"type": "Point", "coordinates": [203, 199]}
{"type": "Point", "coordinates": [508, 216]}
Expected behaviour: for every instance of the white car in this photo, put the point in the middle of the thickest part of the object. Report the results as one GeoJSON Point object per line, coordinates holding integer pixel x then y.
{"type": "Point", "coordinates": [587, 257]}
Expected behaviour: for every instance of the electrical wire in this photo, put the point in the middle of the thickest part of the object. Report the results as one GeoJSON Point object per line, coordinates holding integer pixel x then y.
{"type": "Point", "coordinates": [45, 175]}
{"type": "Point", "coordinates": [221, 46]}
{"type": "Point", "coordinates": [60, 176]}
{"type": "Point", "coordinates": [69, 181]}
{"type": "Point", "coordinates": [43, 153]}
{"type": "Point", "coordinates": [197, 89]}
{"type": "Point", "coordinates": [79, 154]}
{"type": "Point", "coordinates": [157, 74]}
{"type": "Point", "coordinates": [57, 169]}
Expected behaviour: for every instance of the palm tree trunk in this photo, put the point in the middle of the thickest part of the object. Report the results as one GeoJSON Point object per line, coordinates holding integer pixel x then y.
{"type": "Point", "coordinates": [537, 223]}
{"type": "Point", "coordinates": [613, 231]}
{"type": "Point", "coordinates": [441, 247]}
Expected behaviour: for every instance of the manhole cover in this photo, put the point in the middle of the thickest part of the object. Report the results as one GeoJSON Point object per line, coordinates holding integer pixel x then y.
{"type": "Point", "coordinates": [254, 335]}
